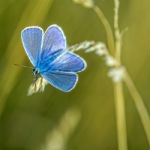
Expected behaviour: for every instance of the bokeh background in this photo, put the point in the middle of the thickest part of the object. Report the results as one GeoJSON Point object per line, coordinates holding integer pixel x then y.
{"type": "Point", "coordinates": [85, 118]}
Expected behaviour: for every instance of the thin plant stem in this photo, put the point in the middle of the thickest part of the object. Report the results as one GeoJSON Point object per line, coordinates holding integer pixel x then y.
{"type": "Point", "coordinates": [118, 36]}
{"type": "Point", "coordinates": [118, 86]}
{"type": "Point", "coordinates": [120, 115]}
{"type": "Point", "coordinates": [145, 119]}
{"type": "Point", "coordinates": [144, 116]}
{"type": "Point", "coordinates": [109, 33]}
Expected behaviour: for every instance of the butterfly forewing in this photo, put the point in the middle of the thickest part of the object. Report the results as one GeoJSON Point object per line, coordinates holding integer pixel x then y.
{"type": "Point", "coordinates": [54, 40]}
{"type": "Point", "coordinates": [32, 41]}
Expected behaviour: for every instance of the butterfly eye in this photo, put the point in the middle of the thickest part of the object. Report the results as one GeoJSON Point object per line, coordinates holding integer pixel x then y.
{"type": "Point", "coordinates": [35, 72]}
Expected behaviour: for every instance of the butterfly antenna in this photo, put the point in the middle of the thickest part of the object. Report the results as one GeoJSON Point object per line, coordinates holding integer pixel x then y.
{"type": "Point", "coordinates": [23, 66]}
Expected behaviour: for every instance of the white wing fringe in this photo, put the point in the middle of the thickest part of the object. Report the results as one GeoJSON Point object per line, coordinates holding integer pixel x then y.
{"type": "Point", "coordinates": [37, 86]}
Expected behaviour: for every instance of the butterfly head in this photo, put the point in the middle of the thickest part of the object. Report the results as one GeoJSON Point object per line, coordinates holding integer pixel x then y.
{"type": "Point", "coordinates": [35, 72]}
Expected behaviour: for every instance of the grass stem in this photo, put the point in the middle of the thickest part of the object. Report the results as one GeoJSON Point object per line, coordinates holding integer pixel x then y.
{"type": "Point", "coordinates": [118, 86]}
{"type": "Point", "coordinates": [120, 115]}
{"type": "Point", "coordinates": [109, 33]}
{"type": "Point", "coordinates": [144, 116]}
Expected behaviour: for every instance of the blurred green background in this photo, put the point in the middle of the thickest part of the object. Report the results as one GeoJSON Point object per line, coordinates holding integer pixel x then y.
{"type": "Point", "coordinates": [85, 118]}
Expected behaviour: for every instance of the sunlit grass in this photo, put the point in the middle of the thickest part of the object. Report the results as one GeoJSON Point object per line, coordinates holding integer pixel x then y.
{"type": "Point", "coordinates": [30, 16]}
{"type": "Point", "coordinates": [116, 44]}
{"type": "Point", "coordinates": [57, 139]}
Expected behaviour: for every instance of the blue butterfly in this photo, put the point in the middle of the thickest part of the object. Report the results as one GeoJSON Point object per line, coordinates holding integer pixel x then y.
{"type": "Point", "coordinates": [52, 61]}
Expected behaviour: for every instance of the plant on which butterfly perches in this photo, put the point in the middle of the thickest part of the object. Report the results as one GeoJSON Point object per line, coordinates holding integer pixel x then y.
{"type": "Point", "coordinates": [53, 62]}
{"type": "Point", "coordinates": [116, 71]}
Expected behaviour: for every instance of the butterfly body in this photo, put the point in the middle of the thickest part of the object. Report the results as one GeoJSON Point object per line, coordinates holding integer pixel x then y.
{"type": "Point", "coordinates": [51, 58]}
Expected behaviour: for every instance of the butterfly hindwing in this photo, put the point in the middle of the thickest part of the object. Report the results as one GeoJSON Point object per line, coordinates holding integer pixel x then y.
{"type": "Point", "coordinates": [61, 80]}
{"type": "Point", "coordinates": [32, 41]}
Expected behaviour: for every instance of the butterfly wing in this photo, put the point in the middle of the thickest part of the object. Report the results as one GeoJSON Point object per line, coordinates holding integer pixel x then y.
{"type": "Point", "coordinates": [54, 55]}
{"type": "Point", "coordinates": [57, 65]}
{"type": "Point", "coordinates": [61, 80]}
{"type": "Point", "coordinates": [68, 62]}
{"type": "Point", "coordinates": [32, 42]}
{"type": "Point", "coordinates": [54, 40]}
